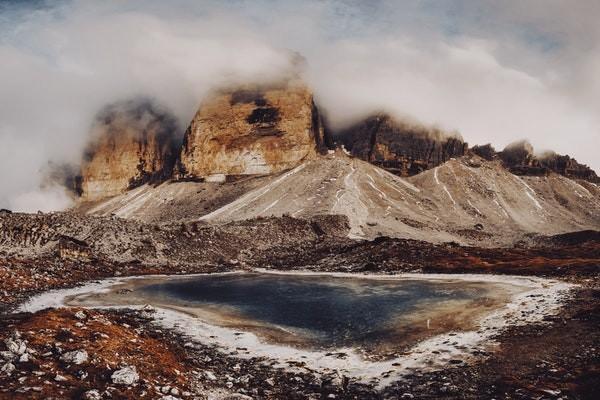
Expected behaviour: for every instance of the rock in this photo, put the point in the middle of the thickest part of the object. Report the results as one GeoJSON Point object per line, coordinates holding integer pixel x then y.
{"type": "Point", "coordinates": [210, 375]}
{"type": "Point", "coordinates": [567, 166]}
{"type": "Point", "coordinates": [237, 396]}
{"type": "Point", "coordinates": [520, 159]}
{"type": "Point", "coordinates": [216, 178]}
{"type": "Point", "coordinates": [270, 381]}
{"type": "Point", "coordinates": [76, 357]}
{"type": "Point", "coordinates": [132, 143]}
{"type": "Point", "coordinates": [407, 396]}
{"type": "Point", "coordinates": [125, 376]}
{"type": "Point", "coordinates": [518, 154]}
{"type": "Point", "coordinates": [8, 355]}
{"type": "Point", "coordinates": [251, 130]}
{"type": "Point", "coordinates": [15, 345]}
{"type": "Point", "coordinates": [24, 358]}
{"type": "Point", "coordinates": [335, 379]}
{"type": "Point", "coordinates": [60, 378]}
{"type": "Point", "coordinates": [70, 248]}
{"type": "Point", "coordinates": [165, 389]}
{"type": "Point", "coordinates": [400, 147]}
{"type": "Point", "coordinates": [552, 392]}
{"type": "Point", "coordinates": [169, 397]}
{"type": "Point", "coordinates": [485, 151]}
{"type": "Point", "coordinates": [80, 315]}
{"type": "Point", "coordinates": [8, 368]}
{"type": "Point", "coordinates": [316, 381]}
{"type": "Point", "coordinates": [92, 395]}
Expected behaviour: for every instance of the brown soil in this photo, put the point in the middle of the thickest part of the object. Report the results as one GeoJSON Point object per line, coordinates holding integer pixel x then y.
{"type": "Point", "coordinates": [110, 345]}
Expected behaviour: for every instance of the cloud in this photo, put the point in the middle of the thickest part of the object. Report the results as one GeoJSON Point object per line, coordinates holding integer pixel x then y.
{"type": "Point", "coordinates": [497, 72]}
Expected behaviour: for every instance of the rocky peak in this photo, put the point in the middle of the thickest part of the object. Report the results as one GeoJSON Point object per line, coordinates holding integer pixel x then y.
{"type": "Point", "coordinates": [485, 151]}
{"type": "Point", "coordinates": [400, 147]}
{"type": "Point", "coordinates": [567, 166]}
{"type": "Point", "coordinates": [132, 143]}
{"type": "Point", "coordinates": [520, 159]}
{"type": "Point", "coordinates": [252, 129]}
{"type": "Point", "coordinates": [519, 154]}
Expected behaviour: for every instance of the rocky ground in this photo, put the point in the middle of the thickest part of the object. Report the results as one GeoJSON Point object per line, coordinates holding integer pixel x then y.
{"type": "Point", "coordinates": [85, 354]}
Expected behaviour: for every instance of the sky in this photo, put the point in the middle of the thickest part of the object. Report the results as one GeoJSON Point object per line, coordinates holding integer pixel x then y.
{"type": "Point", "coordinates": [496, 71]}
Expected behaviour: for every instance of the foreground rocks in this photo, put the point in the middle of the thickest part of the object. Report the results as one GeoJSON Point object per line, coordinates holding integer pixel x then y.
{"type": "Point", "coordinates": [123, 362]}
{"type": "Point", "coordinates": [91, 354]}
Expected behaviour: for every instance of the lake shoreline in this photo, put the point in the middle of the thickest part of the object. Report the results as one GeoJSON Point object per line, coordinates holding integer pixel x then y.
{"type": "Point", "coordinates": [543, 298]}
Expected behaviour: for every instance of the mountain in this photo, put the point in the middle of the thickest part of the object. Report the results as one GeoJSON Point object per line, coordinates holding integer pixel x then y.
{"type": "Point", "coordinates": [252, 130]}
{"type": "Point", "coordinates": [131, 143]}
{"type": "Point", "coordinates": [467, 200]}
{"type": "Point", "coordinates": [400, 147]}
{"type": "Point", "coordinates": [520, 159]}
{"type": "Point", "coordinates": [256, 151]}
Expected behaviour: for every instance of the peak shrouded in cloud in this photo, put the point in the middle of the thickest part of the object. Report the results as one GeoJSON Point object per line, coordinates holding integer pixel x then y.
{"type": "Point", "coordinates": [494, 73]}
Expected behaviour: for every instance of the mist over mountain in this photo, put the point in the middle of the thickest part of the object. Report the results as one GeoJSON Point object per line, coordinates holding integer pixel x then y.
{"type": "Point", "coordinates": [494, 74]}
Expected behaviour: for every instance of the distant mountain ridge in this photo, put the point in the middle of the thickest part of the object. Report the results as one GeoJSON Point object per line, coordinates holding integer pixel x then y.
{"type": "Point", "coordinates": [265, 129]}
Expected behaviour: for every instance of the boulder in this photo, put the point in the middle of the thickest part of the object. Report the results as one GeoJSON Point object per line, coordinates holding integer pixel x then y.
{"type": "Point", "coordinates": [8, 368]}
{"type": "Point", "coordinates": [125, 376]}
{"type": "Point", "coordinates": [92, 395]}
{"type": "Point", "coordinates": [76, 357]}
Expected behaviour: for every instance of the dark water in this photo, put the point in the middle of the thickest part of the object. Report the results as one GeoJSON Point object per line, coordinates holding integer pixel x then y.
{"type": "Point", "coordinates": [332, 311]}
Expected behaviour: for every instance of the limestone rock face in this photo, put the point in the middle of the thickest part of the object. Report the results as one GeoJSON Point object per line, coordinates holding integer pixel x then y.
{"type": "Point", "coordinates": [485, 151]}
{"type": "Point", "coordinates": [568, 166]}
{"type": "Point", "coordinates": [518, 153]}
{"type": "Point", "coordinates": [252, 130]}
{"type": "Point", "coordinates": [132, 144]}
{"type": "Point", "coordinates": [520, 159]}
{"type": "Point", "coordinates": [399, 147]}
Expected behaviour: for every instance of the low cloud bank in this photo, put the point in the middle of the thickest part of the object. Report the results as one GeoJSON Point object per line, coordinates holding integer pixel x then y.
{"type": "Point", "coordinates": [495, 74]}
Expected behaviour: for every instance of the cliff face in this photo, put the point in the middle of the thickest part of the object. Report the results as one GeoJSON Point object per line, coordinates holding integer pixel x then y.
{"type": "Point", "coordinates": [568, 166]}
{"type": "Point", "coordinates": [252, 130]}
{"type": "Point", "coordinates": [520, 159]}
{"type": "Point", "coordinates": [132, 143]}
{"type": "Point", "coordinates": [400, 148]}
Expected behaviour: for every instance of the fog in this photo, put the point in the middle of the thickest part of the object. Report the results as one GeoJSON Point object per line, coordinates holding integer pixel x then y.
{"type": "Point", "coordinates": [494, 73]}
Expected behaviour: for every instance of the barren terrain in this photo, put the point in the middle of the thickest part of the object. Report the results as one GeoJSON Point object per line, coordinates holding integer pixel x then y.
{"type": "Point", "coordinates": [40, 252]}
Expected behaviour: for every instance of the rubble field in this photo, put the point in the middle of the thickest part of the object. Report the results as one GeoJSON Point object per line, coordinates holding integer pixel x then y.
{"type": "Point", "coordinates": [79, 353]}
